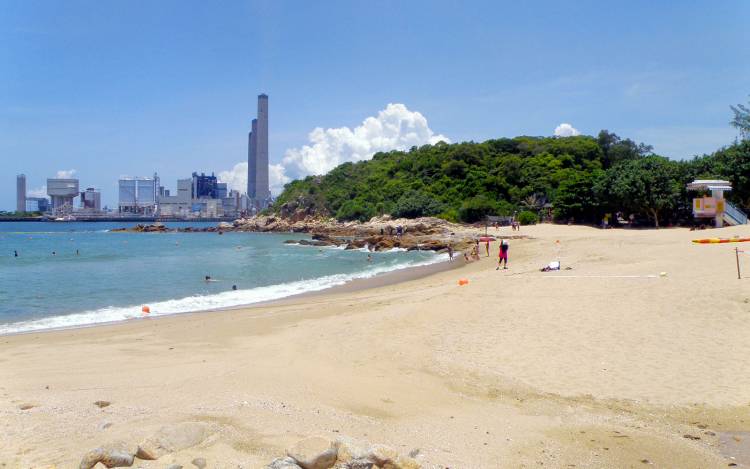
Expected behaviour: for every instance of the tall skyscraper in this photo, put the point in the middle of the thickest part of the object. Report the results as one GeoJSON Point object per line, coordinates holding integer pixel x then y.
{"type": "Point", "coordinates": [257, 155]}
{"type": "Point", "coordinates": [21, 193]}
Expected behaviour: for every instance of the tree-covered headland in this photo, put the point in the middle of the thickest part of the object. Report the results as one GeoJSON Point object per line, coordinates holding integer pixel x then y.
{"type": "Point", "coordinates": [577, 179]}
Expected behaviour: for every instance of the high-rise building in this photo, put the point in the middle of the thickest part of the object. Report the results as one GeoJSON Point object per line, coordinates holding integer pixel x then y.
{"type": "Point", "coordinates": [62, 191]}
{"type": "Point", "coordinates": [138, 195]}
{"type": "Point", "coordinates": [21, 193]}
{"type": "Point", "coordinates": [257, 156]}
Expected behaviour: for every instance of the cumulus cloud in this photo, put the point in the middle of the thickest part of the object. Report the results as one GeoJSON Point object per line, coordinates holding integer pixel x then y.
{"type": "Point", "coordinates": [236, 178]}
{"type": "Point", "coordinates": [566, 130]}
{"type": "Point", "coordinates": [394, 128]}
{"type": "Point", "coordinates": [65, 173]}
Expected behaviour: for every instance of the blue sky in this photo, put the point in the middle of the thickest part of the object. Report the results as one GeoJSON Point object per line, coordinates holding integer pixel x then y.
{"type": "Point", "coordinates": [131, 87]}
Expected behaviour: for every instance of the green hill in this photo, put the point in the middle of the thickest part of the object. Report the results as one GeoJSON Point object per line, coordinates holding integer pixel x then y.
{"type": "Point", "coordinates": [581, 177]}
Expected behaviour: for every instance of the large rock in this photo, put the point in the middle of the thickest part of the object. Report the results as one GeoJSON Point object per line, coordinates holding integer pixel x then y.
{"type": "Point", "coordinates": [283, 463]}
{"type": "Point", "coordinates": [354, 454]}
{"type": "Point", "coordinates": [117, 454]}
{"type": "Point", "coordinates": [314, 453]}
{"type": "Point", "coordinates": [171, 438]}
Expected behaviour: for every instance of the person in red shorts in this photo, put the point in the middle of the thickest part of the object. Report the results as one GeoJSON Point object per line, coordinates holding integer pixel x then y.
{"type": "Point", "coordinates": [502, 257]}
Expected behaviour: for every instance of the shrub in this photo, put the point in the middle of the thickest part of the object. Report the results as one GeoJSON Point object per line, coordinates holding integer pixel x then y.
{"type": "Point", "coordinates": [527, 218]}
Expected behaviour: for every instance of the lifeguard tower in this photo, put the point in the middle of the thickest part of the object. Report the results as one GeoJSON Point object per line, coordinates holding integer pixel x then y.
{"type": "Point", "coordinates": [716, 206]}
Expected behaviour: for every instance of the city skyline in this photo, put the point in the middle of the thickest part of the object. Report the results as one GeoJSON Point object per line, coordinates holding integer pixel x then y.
{"type": "Point", "coordinates": [344, 76]}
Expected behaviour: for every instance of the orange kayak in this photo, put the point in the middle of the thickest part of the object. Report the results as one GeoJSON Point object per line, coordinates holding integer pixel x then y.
{"type": "Point", "coordinates": [720, 240]}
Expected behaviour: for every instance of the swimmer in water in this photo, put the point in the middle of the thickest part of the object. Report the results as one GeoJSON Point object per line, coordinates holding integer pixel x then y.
{"type": "Point", "coordinates": [234, 287]}
{"type": "Point", "coordinates": [54, 253]}
{"type": "Point", "coordinates": [15, 253]}
{"type": "Point", "coordinates": [369, 258]}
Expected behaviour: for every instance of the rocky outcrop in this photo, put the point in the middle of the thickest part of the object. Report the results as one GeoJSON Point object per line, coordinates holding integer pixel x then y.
{"type": "Point", "coordinates": [314, 453]}
{"type": "Point", "coordinates": [344, 453]}
{"type": "Point", "coordinates": [113, 455]}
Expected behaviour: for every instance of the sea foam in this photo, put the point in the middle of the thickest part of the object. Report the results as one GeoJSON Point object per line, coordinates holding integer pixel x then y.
{"type": "Point", "coordinates": [196, 303]}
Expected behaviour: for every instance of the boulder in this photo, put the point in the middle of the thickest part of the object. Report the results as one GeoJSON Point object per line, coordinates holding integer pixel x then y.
{"type": "Point", "coordinates": [200, 463]}
{"type": "Point", "coordinates": [283, 463]}
{"type": "Point", "coordinates": [171, 438]}
{"type": "Point", "coordinates": [117, 454]}
{"type": "Point", "coordinates": [314, 453]}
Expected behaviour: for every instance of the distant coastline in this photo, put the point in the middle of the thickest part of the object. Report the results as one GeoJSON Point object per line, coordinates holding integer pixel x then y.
{"type": "Point", "coordinates": [119, 219]}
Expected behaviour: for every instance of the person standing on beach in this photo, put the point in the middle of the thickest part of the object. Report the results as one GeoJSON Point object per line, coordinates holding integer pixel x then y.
{"type": "Point", "coordinates": [502, 256]}
{"type": "Point", "coordinates": [488, 247]}
{"type": "Point", "coordinates": [450, 252]}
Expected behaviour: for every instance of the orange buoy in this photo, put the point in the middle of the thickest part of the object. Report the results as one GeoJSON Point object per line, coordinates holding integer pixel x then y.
{"type": "Point", "coordinates": [145, 309]}
{"type": "Point", "coordinates": [463, 281]}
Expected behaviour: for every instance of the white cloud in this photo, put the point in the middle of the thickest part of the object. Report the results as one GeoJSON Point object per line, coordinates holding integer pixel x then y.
{"type": "Point", "coordinates": [394, 128]}
{"type": "Point", "coordinates": [566, 130]}
{"type": "Point", "coordinates": [40, 192]}
{"type": "Point", "coordinates": [65, 173]}
{"type": "Point", "coordinates": [236, 178]}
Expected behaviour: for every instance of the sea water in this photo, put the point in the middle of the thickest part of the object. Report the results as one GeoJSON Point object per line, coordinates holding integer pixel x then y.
{"type": "Point", "coordinates": [80, 273]}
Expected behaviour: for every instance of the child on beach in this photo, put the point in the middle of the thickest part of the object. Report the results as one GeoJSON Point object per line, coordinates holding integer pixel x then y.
{"type": "Point", "coordinates": [502, 255]}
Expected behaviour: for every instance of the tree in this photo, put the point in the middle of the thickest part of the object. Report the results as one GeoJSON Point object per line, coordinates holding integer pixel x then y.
{"type": "Point", "coordinates": [741, 120]}
{"type": "Point", "coordinates": [615, 149]}
{"type": "Point", "coordinates": [477, 208]}
{"type": "Point", "coordinates": [415, 204]}
{"type": "Point", "coordinates": [645, 185]}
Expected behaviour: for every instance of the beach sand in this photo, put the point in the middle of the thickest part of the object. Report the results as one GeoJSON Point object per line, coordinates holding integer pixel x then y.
{"type": "Point", "coordinates": [608, 364]}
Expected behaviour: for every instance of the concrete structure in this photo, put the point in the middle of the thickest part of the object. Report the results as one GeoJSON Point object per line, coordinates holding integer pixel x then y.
{"type": "Point", "coordinates": [716, 206]}
{"type": "Point", "coordinates": [138, 195]}
{"type": "Point", "coordinates": [37, 204]}
{"type": "Point", "coordinates": [21, 193]}
{"type": "Point", "coordinates": [62, 191]}
{"type": "Point", "coordinates": [205, 187]}
{"type": "Point", "coordinates": [257, 157]}
{"type": "Point", "coordinates": [177, 205]}
{"type": "Point", "coordinates": [91, 200]}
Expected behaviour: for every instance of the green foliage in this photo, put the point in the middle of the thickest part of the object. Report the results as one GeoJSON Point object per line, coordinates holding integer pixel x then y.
{"type": "Point", "coordinates": [741, 120]}
{"type": "Point", "coordinates": [415, 204]}
{"type": "Point", "coordinates": [527, 218]}
{"type": "Point", "coordinates": [355, 210]}
{"type": "Point", "coordinates": [582, 177]}
{"type": "Point", "coordinates": [477, 208]}
{"type": "Point", "coordinates": [644, 185]}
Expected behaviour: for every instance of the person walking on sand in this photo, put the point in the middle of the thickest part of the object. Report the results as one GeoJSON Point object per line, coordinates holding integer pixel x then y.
{"type": "Point", "coordinates": [502, 256]}
{"type": "Point", "coordinates": [488, 247]}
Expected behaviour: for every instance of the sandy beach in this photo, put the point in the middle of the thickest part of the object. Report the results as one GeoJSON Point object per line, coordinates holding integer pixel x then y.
{"type": "Point", "coordinates": [608, 364]}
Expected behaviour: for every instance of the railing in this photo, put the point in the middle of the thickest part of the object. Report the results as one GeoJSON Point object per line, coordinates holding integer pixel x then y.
{"type": "Point", "coordinates": [734, 213]}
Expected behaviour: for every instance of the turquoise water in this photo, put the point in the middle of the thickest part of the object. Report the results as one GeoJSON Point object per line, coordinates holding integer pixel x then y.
{"type": "Point", "coordinates": [98, 276]}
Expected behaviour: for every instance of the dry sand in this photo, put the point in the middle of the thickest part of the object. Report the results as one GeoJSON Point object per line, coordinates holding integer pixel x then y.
{"type": "Point", "coordinates": [580, 368]}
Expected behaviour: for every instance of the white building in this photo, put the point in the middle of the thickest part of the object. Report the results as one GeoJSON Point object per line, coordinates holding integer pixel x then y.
{"type": "Point", "coordinates": [138, 195]}
{"type": "Point", "coordinates": [62, 192]}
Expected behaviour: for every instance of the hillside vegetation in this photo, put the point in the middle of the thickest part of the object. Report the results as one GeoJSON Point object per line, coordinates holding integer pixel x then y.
{"type": "Point", "coordinates": [581, 178]}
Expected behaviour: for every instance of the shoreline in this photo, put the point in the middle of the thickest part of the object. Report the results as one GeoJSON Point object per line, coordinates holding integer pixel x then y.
{"type": "Point", "coordinates": [392, 277]}
{"type": "Point", "coordinates": [511, 370]}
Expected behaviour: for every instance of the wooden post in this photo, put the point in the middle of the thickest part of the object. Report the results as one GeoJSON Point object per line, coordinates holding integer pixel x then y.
{"type": "Point", "coordinates": [737, 258]}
